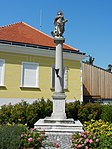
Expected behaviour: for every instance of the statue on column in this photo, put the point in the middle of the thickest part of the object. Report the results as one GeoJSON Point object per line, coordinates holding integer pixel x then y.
{"type": "Point", "coordinates": [59, 23]}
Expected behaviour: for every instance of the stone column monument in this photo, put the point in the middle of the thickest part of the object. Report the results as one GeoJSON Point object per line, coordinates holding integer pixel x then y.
{"type": "Point", "coordinates": [59, 95]}
{"type": "Point", "coordinates": [58, 123]}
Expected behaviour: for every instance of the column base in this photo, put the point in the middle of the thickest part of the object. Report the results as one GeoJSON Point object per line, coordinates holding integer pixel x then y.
{"type": "Point", "coordinates": [58, 106]}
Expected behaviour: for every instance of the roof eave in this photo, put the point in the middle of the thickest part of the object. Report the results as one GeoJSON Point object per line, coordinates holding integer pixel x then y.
{"type": "Point", "coordinates": [38, 46]}
{"type": "Point", "coordinates": [39, 51]}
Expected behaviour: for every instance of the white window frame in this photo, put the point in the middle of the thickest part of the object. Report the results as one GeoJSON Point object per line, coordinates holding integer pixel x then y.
{"type": "Point", "coordinates": [37, 75]}
{"type": "Point", "coordinates": [2, 61]}
{"type": "Point", "coordinates": [65, 81]}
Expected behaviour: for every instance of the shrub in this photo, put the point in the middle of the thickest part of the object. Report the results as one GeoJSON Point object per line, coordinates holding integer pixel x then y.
{"type": "Point", "coordinates": [101, 129]}
{"type": "Point", "coordinates": [10, 136]}
{"type": "Point", "coordinates": [13, 113]}
{"type": "Point", "coordinates": [89, 111]}
{"type": "Point", "coordinates": [85, 140]}
{"type": "Point", "coordinates": [32, 138]}
{"type": "Point", "coordinates": [72, 110]}
{"type": "Point", "coordinates": [19, 137]}
{"type": "Point", "coordinates": [107, 113]}
{"type": "Point", "coordinates": [5, 114]}
{"type": "Point", "coordinates": [18, 113]}
{"type": "Point", "coordinates": [105, 142]}
{"type": "Point", "coordinates": [38, 110]}
{"type": "Point", "coordinates": [24, 113]}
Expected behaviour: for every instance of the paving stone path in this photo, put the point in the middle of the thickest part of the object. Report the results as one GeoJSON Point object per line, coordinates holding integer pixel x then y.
{"type": "Point", "coordinates": [64, 141]}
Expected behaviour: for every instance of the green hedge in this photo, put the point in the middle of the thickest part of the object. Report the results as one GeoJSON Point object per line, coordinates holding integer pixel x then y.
{"type": "Point", "coordinates": [107, 113]}
{"type": "Point", "coordinates": [90, 111]}
{"type": "Point", "coordinates": [24, 113]}
{"type": "Point", "coordinates": [38, 110]}
{"type": "Point", "coordinates": [72, 110]}
{"type": "Point", "coordinates": [10, 136]}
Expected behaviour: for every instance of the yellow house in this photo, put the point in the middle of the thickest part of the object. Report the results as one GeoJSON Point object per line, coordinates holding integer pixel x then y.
{"type": "Point", "coordinates": [27, 65]}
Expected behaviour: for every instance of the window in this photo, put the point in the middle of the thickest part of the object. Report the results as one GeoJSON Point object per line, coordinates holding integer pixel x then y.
{"type": "Point", "coordinates": [29, 74]}
{"type": "Point", "coordinates": [65, 78]}
{"type": "Point", "coordinates": [53, 77]}
{"type": "Point", "coordinates": [2, 65]}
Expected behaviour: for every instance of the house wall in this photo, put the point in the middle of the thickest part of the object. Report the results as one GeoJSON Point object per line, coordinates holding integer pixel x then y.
{"type": "Point", "coordinates": [12, 79]}
{"type": "Point", "coordinates": [74, 80]}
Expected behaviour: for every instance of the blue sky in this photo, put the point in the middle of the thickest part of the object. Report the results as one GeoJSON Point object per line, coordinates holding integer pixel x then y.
{"type": "Point", "coordinates": [89, 26]}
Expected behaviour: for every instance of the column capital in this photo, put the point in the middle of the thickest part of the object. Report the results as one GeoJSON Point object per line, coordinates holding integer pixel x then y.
{"type": "Point", "coordinates": [59, 39]}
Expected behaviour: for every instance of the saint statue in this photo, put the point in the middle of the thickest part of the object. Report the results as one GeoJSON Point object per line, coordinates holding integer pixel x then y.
{"type": "Point", "coordinates": [59, 23]}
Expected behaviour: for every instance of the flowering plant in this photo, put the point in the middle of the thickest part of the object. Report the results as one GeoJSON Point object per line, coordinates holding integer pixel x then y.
{"type": "Point", "coordinates": [85, 140]}
{"type": "Point", "coordinates": [99, 127]}
{"type": "Point", "coordinates": [32, 138]}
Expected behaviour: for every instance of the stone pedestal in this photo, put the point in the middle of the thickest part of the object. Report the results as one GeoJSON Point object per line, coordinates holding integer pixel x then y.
{"type": "Point", "coordinates": [59, 126]}
{"type": "Point", "coordinates": [58, 106]}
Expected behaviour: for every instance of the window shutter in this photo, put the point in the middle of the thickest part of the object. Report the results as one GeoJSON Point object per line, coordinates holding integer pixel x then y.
{"type": "Point", "coordinates": [65, 78]}
{"type": "Point", "coordinates": [2, 72]}
{"type": "Point", "coordinates": [30, 75]}
{"type": "Point", "coordinates": [53, 77]}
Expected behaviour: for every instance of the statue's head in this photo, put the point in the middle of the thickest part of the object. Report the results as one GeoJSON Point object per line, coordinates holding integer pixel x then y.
{"type": "Point", "coordinates": [59, 13]}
